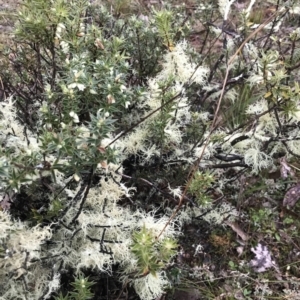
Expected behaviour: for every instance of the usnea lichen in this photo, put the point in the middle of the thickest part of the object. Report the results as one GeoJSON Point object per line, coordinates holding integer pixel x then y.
{"type": "Point", "coordinates": [122, 105]}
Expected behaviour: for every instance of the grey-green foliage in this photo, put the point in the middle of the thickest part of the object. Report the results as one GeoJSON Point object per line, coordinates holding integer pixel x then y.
{"type": "Point", "coordinates": [74, 62]}
{"type": "Point", "coordinates": [77, 77]}
{"type": "Point", "coordinates": [83, 58]}
{"type": "Point", "coordinates": [151, 254]}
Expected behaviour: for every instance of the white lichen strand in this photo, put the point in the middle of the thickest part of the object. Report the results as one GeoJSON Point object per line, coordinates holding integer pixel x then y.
{"type": "Point", "coordinates": [224, 7]}
{"type": "Point", "coordinates": [150, 287]}
{"type": "Point", "coordinates": [177, 63]}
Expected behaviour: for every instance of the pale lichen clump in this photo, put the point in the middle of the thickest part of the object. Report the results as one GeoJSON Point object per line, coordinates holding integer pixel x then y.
{"type": "Point", "coordinates": [178, 67]}
{"type": "Point", "coordinates": [177, 63]}
{"type": "Point", "coordinates": [13, 133]}
{"type": "Point", "coordinates": [21, 239]}
{"type": "Point", "coordinates": [101, 216]}
{"type": "Point", "coordinates": [23, 251]}
{"type": "Point", "coordinates": [212, 215]}
{"type": "Point", "coordinates": [79, 250]}
{"type": "Point", "coordinates": [116, 225]}
{"type": "Point", "coordinates": [150, 287]}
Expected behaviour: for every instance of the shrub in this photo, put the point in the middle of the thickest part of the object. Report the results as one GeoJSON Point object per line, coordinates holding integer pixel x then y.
{"type": "Point", "coordinates": [108, 111]}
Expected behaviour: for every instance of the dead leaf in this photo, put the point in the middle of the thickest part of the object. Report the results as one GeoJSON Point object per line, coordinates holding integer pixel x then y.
{"type": "Point", "coordinates": [236, 228]}
{"type": "Point", "coordinates": [292, 196]}
{"type": "Point", "coordinates": [240, 250]}
{"type": "Point", "coordinates": [6, 201]}
{"type": "Point", "coordinates": [110, 99]}
{"type": "Point", "coordinates": [285, 169]}
{"type": "Point", "coordinates": [102, 149]}
{"type": "Point", "coordinates": [104, 164]}
{"type": "Point", "coordinates": [99, 44]}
